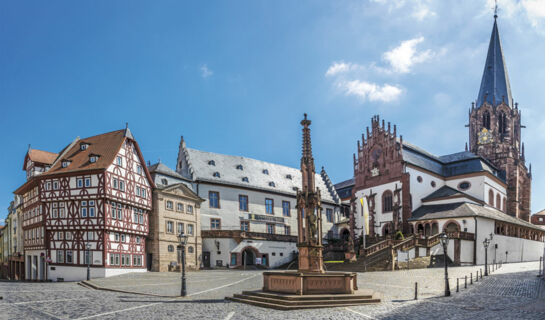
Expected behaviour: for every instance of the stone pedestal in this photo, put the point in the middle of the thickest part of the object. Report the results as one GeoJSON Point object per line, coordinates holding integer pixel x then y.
{"type": "Point", "coordinates": [310, 258]}
{"type": "Point", "coordinates": [301, 283]}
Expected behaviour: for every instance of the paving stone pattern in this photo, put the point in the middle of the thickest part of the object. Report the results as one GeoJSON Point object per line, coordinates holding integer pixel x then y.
{"type": "Point", "coordinates": [512, 292]}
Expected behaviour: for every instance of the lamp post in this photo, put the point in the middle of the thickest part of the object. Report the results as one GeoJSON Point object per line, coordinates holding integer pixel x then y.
{"type": "Point", "coordinates": [88, 247]}
{"type": "Point", "coordinates": [444, 241]}
{"type": "Point", "coordinates": [486, 243]}
{"type": "Point", "coordinates": [182, 238]}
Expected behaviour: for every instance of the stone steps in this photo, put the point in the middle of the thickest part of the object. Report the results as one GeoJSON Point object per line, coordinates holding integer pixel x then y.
{"type": "Point", "coordinates": [292, 302]}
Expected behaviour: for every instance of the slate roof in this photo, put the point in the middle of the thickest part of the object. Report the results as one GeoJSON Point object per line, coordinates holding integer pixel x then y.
{"type": "Point", "coordinates": [163, 169]}
{"type": "Point", "coordinates": [465, 209]}
{"type": "Point", "coordinates": [164, 177]}
{"type": "Point", "coordinates": [495, 86]}
{"type": "Point", "coordinates": [448, 165]}
{"type": "Point", "coordinates": [443, 192]}
{"type": "Point", "coordinates": [253, 170]}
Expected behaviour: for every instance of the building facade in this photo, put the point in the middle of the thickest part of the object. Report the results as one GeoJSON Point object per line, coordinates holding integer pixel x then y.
{"type": "Point", "coordinates": [176, 209]}
{"type": "Point", "coordinates": [249, 213]}
{"type": "Point", "coordinates": [477, 193]}
{"type": "Point", "coordinates": [88, 204]}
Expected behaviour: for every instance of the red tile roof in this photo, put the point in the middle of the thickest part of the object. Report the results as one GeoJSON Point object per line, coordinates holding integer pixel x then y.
{"type": "Point", "coordinates": [105, 146]}
{"type": "Point", "coordinates": [41, 156]}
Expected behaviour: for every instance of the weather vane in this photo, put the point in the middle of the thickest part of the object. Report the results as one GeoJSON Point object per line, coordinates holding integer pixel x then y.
{"type": "Point", "coordinates": [495, 9]}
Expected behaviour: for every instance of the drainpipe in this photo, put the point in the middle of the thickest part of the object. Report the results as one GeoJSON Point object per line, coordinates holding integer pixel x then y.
{"type": "Point", "coordinates": [475, 244]}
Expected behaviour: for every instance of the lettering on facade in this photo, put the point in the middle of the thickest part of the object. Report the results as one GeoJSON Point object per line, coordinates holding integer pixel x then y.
{"type": "Point", "coordinates": [264, 218]}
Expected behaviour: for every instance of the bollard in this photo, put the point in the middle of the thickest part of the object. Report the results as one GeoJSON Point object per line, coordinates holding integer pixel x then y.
{"type": "Point", "coordinates": [416, 291]}
{"type": "Point", "coordinates": [540, 259]}
{"type": "Point", "coordinates": [457, 284]}
{"type": "Point", "coordinates": [477, 276]}
{"type": "Point", "coordinates": [471, 278]}
{"type": "Point", "coordinates": [465, 283]}
{"type": "Point", "coordinates": [481, 273]}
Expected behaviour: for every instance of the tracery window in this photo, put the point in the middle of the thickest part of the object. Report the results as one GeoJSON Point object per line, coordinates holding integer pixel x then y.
{"type": "Point", "coordinates": [387, 204]}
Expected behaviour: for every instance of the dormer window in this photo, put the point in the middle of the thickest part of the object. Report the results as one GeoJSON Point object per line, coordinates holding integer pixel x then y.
{"type": "Point", "coordinates": [271, 184]}
{"type": "Point", "coordinates": [239, 167]}
{"type": "Point", "coordinates": [294, 188]}
{"type": "Point", "coordinates": [164, 182]}
{"type": "Point", "coordinates": [93, 158]}
{"type": "Point", "coordinates": [211, 163]}
{"type": "Point", "coordinates": [265, 171]}
{"type": "Point", "coordinates": [217, 174]}
{"type": "Point", "coordinates": [245, 179]}
{"type": "Point", "coordinates": [288, 176]}
{"type": "Point", "coordinates": [65, 163]}
{"type": "Point", "coordinates": [83, 146]}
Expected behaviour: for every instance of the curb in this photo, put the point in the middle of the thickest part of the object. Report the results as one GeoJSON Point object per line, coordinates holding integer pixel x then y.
{"type": "Point", "coordinates": [90, 285]}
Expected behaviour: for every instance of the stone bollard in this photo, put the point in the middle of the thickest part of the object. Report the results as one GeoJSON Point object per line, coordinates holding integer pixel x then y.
{"type": "Point", "coordinates": [471, 278]}
{"type": "Point", "coordinates": [477, 276]}
{"type": "Point", "coordinates": [481, 273]}
{"type": "Point", "coordinates": [457, 284]}
{"type": "Point", "coordinates": [416, 291]}
{"type": "Point", "coordinates": [465, 283]}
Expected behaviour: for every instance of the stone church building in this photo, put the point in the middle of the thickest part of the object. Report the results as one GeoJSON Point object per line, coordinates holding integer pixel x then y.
{"type": "Point", "coordinates": [474, 194]}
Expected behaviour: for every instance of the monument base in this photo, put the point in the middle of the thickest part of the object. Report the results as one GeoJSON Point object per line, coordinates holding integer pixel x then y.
{"type": "Point", "coordinates": [290, 290]}
{"type": "Point", "coordinates": [303, 283]}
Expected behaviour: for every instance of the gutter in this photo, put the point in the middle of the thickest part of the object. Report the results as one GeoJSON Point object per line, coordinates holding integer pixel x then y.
{"type": "Point", "coordinates": [475, 243]}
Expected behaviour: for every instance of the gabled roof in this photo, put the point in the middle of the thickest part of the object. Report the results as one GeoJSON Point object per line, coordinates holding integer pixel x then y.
{"type": "Point", "coordinates": [163, 169]}
{"type": "Point", "coordinates": [443, 192]}
{"type": "Point", "coordinates": [40, 156]}
{"type": "Point", "coordinates": [539, 213]}
{"type": "Point", "coordinates": [465, 209]}
{"type": "Point", "coordinates": [105, 145]}
{"type": "Point", "coordinates": [448, 165]}
{"type": "Point", "coordinates": [446, 192]}
{"type": "Point", "coordinates": [222, 169]}
{"type": "Point", "coordinates": [495, 86]}
{"type": "Point", "coordinates": [187, 191]}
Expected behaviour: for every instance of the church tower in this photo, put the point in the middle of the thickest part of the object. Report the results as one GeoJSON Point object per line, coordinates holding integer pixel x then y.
{"type": "Point", "coordinates": [495, 130]}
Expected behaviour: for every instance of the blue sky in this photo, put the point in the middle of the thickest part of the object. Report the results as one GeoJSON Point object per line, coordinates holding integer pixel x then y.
{"type": "Point", "coordinates": [235, 77]}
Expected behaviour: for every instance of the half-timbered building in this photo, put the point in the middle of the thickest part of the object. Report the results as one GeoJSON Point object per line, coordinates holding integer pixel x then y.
{"type": "Point", "coordinates": [88, 204]}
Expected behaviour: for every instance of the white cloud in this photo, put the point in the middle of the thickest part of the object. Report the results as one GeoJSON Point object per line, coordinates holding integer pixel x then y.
{"type": "Point", "coordinates": [535, 9]}
{"type": "Point", "coordinates": [336, 68]}
{"type": "Point", "coordinates": [370, 91]}
{"type": "Point", "coordinates": [205, 72]}
{"type": "Point", "coordinates": [403, 57]}
{"type": "Point", "coordinates": [422, 11]}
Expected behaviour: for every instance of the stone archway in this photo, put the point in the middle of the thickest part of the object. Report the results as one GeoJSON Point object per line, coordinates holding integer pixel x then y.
{"type": "Point", "coordinates": [427, 229]}
{"type": "Point", "coordinates": [345, 234]}
{"type": "Point", "coordinates": [248, 256]}
{"type": "Point", "coordinates": [434, 228]}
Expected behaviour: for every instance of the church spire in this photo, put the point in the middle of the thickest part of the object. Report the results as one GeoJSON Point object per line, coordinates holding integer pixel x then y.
{"type": "Point", "coordinates": [495, 87]}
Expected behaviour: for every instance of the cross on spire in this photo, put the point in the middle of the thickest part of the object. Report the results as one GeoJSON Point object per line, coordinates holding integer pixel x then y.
{"type": "Point", "coordinates": [495, 9]}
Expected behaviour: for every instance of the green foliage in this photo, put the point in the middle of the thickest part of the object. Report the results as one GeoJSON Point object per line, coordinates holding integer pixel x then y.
{"type": "Point", "coordinates": [399, 236]}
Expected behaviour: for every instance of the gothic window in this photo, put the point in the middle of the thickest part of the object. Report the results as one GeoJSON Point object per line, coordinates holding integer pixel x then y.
{"type": "Point", "coordinates": [387, 201]}
{"type": "Point", "coordinates": [491, 198]}
{"type": "Point", "coordinates": [451, 227]}
{"type": "Point", "coordinates": [486, 120]}
{"type": "Point", "coordinates": [498, 201]}
{"type": "Point", "coordinates": [504, 204]}
{"type": "Point", "coordinates": [502, 123]}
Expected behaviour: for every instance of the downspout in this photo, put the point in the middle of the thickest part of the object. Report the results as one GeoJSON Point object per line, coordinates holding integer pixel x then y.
{"type": "Point", "coordinates": [475, 244]}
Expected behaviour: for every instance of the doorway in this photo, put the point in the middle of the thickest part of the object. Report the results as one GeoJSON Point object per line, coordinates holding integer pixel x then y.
{"type": "Point", "coordinates": [206, 259]}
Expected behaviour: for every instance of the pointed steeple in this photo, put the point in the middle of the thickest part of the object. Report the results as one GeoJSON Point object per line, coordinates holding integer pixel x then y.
{"type": "Point", "coordinates": [307, 161]}
{"type": "Point", "coordinates": [495, 86]}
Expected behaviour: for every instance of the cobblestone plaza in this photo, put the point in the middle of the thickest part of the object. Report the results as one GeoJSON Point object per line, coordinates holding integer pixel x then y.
{"type": "Point", "coordinates": [511, 292]}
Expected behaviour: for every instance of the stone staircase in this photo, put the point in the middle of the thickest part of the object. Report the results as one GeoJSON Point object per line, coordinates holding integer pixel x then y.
{"type": "Point", "coordinates": [292, 302]}
{"type": "Point", "coordinates": [381, 255]}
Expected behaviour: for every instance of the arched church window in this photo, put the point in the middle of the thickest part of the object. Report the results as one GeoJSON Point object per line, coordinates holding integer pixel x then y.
{"type": "Point", "coordinates": [387, 204]}
{"type": "Point", "coordinates": [491, 198]}
{"type": "Point", "coordinates": [486, 120]}
{"type": "Point", "coordinates": [452, 227]}
{"type": "Point", "coordinates": [498, 201]}
{"type": "Point", "coordinates": [504, 204]}
{"type": "Point", "coordinates": [502, 123]}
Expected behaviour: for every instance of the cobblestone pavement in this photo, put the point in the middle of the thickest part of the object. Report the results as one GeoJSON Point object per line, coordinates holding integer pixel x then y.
{"type": "Point", "coordinates": [512, 292]}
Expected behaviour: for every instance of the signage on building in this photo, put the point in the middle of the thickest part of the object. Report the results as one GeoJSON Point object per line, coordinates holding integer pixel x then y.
{"type": "Point", "coordinates": [265, 218]}
{"type": "Point", "coordinates": [257, 260]}
{"type": "Point", "coordinates": [375, 172]}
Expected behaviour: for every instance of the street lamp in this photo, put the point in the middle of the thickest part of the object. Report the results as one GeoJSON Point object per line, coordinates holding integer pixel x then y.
{"type": "Point", "coordinates": [486, 243]}
{"type": "Point", "coordinates": [444, 241]}
{"type": "Point", "coordinates": [182, 238]}
{"type": "Point", "coordinates": [88, 247]}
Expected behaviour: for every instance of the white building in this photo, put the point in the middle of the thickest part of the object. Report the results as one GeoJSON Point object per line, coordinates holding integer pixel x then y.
{"type": "Point", "coordinates": [249, 215]}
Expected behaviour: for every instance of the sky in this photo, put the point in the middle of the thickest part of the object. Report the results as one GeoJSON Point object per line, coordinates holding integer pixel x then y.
{"type": "Point", "coordinates": [235, 77]}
